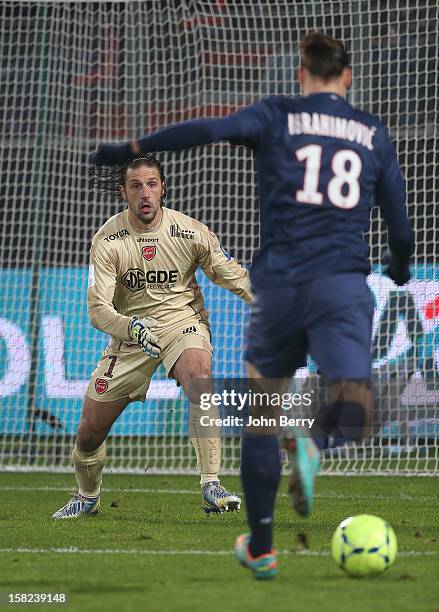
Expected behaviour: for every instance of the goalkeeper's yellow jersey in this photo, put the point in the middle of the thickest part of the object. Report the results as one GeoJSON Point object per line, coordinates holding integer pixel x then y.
{"type": "Point", "coordinates": [152, 273]}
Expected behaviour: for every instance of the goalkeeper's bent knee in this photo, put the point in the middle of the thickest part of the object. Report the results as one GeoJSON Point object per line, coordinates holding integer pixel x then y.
{"type": "Point", "coordinates": [88, 469]}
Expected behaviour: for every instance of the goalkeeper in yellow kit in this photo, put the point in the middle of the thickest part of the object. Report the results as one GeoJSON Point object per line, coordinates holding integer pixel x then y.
{"type": "Point", "coordinates": [143, 293]}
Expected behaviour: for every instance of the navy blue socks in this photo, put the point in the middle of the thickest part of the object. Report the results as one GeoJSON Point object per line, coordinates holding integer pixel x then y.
{"type": "Point", "coordinates": [260, 475]}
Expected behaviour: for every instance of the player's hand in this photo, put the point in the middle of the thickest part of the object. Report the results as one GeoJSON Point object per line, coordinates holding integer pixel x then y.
{"type": "Point", "coordinates": [396, 269]}
{"type": "Point", "coordinates": [140, 331]}
{"type": "Point", "coordinates": [112, 154]}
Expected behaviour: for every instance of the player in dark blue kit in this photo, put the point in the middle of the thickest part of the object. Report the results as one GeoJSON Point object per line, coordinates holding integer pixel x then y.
{"type": "Point", "coordinates": [320, 163]}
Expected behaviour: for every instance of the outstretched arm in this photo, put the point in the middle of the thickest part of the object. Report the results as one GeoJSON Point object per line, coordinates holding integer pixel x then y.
{"type": "Point", "coordinates": [244, 127]}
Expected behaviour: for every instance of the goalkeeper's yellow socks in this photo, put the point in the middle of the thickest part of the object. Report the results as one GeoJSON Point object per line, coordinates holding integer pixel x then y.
{"type": "Point", "coordinates": [206, 442]}
{"type": "Point", "coordinates": [88, 469]}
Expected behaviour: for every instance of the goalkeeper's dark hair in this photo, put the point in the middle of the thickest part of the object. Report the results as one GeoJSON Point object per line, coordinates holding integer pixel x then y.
{"type": "Point", "coordinates": [108, 181]}
{"type": "Point", "coordinates": [324, 57]}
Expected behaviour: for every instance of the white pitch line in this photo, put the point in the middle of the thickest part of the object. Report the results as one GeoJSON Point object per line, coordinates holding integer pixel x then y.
{"type": "Point", "coordinates": [112, 551]}
{"type": "Point", "coordinates": [191, 552]}
{"type": "Point", "coordinates": [331, 495]}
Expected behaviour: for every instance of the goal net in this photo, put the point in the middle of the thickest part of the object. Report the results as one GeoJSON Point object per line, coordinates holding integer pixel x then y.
{"type": "Point", "coordinates": [76, 73]}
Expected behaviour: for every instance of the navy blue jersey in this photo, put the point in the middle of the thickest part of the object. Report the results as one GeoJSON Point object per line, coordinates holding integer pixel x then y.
{"type": "Point", "coordinates": [320, 164]}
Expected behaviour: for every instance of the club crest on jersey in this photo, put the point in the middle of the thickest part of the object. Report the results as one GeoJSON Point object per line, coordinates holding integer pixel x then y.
{"type": "Point", "coordinates": [149, 252]}
{"type": "Point", "coordinates": [101, 385]}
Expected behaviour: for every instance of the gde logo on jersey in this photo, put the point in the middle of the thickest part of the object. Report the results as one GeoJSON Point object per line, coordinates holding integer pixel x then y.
{"type": "Point", "coordinates": [137, 280]}
{"type": "Point", "coordinates": [149, 252]}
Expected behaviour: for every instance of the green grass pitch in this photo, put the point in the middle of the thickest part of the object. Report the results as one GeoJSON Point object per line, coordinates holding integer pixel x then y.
{"type": "Point", "coordinates": [152, 548]}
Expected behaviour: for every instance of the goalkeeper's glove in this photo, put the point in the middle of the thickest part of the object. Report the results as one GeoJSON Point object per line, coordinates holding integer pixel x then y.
{"type": "Point", "coordinates": [396, 269]}
{"type": "Point", "coordinates": [140, 331]}
{"type": "Point", "coordinates": [112, 154]}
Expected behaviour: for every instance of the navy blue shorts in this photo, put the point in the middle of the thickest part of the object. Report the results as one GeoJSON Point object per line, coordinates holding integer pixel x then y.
{"type": "Point", "coordinates": [329, 318]}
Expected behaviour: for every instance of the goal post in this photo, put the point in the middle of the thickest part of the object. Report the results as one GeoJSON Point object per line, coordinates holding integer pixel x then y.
{"type": "Point", "coordinates": [78, 73]}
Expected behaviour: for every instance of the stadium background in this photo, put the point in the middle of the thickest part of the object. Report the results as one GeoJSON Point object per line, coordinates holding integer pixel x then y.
{"type": "Point", "coordinates": [77, 73]}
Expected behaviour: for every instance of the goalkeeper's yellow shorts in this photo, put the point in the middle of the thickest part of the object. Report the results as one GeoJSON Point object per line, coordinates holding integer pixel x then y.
{"type": "Point", "coordinates": [124, 370]}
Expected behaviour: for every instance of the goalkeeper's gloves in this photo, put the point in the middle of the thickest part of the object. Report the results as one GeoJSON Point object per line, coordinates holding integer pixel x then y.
{"type": "Point", "coordinates": [396, 269]}
{"type": "Point", "coordinates": [112, 154]}
{"type": "Point", "coordinates": [140, 331]}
